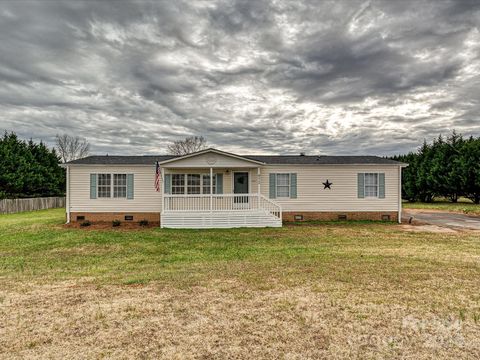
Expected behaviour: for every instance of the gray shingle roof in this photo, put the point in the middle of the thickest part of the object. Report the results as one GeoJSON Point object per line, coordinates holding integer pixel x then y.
{"type": "Point", "coordinates": [268, 159]}
{"type": "Point", "coordinates": [321, 160]}
{"type": "Point", "coordinates": [121, 160]}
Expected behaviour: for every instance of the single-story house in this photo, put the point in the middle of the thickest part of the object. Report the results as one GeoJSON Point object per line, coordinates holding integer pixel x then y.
{"type": "Point", "coordinates": [213, 188]}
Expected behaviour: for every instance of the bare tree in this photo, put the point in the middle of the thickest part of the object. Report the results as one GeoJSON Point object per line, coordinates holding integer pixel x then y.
{"type": "Point", "coordinates": [188, 145]}
{"type": "Point", "coordinates": [71, 147]}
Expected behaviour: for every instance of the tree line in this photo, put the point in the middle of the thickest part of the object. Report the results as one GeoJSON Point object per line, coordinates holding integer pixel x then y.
{"type": "Point", "coordinates": [29, 169]}
{"type": "Point", "coordinates": [447, 167]}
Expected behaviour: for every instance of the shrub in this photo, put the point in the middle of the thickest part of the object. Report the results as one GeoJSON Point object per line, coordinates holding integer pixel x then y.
{"type": "Point", "coordinates": [143, 222]}
{"type": "Point", "coordinates": [116, 223]}
{"type": "Point", "coordinates": [85, 223]}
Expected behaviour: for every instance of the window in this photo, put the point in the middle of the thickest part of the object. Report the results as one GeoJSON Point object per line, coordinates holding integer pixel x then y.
{"type": "Point", "coordinates": [178, 184]}
{"type": "Point", "coordinates": [104, 185]}
{"type": "Point", "coordinates": [283, 185]}
{"type": "Point", "coordinates": [119, 185]}
{"type": "Point", "coordinates": [111, 186]}
{"type": "Point", "coordinates": [206, 184]}
{"type": "Point", "coordinates": [371, 185]}
{"type": "Point", "coordinates": [193, 184]}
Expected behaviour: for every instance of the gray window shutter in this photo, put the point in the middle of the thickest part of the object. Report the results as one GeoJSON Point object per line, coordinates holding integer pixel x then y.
{"type": "Point", "coordinates": [167, 184]}
{"type": "Point", "coordinates": [273, 186]}
{"type": "Point", "coordinates": [361, 185]}
{"type": "Point", "coordinates": [381, 185]}
{"type": "Point", "coordinates": [293, 186]}
{"type": "Point", "coordinates": [93, 186]}
{"type": "Point", "coordinates": [129, 186]}
{"type": "Point", "coordinates": [219, 183]}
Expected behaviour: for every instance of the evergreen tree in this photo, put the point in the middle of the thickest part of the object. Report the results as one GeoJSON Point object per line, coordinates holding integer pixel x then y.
{"type": "Point", "coordinates": [28, 169]}
{"type": "Point", "coordinates": [470, 166]}
{"type": "Point", "coordinates": [448, 168]}
{"type": "Point", "coordinates": [424, 181]}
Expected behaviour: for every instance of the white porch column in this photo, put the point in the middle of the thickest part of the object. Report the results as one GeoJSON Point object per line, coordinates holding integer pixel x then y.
{"type": "Point", "coordinates": [211, 189]}
{"type": "Point", "coordinates": [258, 186]}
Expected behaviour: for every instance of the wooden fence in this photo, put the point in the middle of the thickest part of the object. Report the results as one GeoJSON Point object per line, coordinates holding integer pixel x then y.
{"type": "Point", "coordinates": [10, 206]}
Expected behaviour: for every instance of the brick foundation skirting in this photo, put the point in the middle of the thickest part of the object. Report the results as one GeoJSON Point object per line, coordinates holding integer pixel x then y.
{"type": "Point", "coordinates": [153, 217]}
{"type": "Point", "coordinates": [336, 215]}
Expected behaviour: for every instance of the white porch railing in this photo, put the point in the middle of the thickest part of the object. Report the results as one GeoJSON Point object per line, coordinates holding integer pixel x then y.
{"type": "Point", "coordinates": [220, 203]}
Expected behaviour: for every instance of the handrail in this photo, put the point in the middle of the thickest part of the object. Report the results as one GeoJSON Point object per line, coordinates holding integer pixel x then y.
{"type": "Point", "coordinates": [219, 203]}
{"type": "Point", "coordinates": [208, 195]}
{"type": "Point", "coordinates": [271, 206]}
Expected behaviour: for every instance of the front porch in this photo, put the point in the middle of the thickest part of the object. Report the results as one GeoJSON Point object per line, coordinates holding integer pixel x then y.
{"type": "Point", "coordinates": [220, 211]}
{"type": "Point", "coordinates": [226, 193]}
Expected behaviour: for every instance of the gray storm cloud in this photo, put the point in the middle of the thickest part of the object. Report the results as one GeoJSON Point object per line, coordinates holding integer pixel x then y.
{"type": "Point", "coordinates": [324, 77]}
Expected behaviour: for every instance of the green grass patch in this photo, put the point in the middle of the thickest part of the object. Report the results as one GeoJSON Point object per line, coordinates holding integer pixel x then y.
{"type": "Point", "coordinates": [36, 247]}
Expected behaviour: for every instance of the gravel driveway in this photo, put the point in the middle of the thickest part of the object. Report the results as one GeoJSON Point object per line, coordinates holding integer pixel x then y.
{"type": "Point", "coordinates": [451, 220]}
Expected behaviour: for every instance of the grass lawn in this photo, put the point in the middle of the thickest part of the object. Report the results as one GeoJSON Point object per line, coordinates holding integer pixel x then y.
{"type": "Point", "coordinates": [333, 290]}
{"type": "Point", "coordinates": [463, 205]}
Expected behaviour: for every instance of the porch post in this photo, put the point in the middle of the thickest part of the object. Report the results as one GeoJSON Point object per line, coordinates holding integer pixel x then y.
{"type": "Point", "coordinates": [258, 186]}
{"type": "Point", "coordinates": [211, 189]}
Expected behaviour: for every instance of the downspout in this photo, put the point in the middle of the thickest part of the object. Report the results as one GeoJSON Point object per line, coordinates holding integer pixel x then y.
{"type": "Point", "coordinates": [400, 194]}
{"type": "Point", "coordinates": [162, 197]}
{"type": "Point", "coordinates": [67, 195]}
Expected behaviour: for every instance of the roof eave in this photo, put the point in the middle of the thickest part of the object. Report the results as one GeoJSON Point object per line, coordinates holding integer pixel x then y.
{"type": "Point", "coordinates": [201, 152]}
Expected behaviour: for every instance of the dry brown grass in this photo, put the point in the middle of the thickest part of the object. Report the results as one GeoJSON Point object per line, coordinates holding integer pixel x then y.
{"type": "Point", "coordinates": [227, 320]}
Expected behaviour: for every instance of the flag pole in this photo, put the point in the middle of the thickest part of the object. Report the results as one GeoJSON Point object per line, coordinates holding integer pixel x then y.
{"type": "Point", "coordinates": [162, 201]}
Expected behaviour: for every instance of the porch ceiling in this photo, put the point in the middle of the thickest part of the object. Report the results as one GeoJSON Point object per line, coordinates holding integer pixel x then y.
{"type": "Point", "coordinates": [232, 168]}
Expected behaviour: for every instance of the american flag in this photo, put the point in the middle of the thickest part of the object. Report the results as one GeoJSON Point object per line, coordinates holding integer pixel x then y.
{"type": "Point", "coordinates": [158, 175]}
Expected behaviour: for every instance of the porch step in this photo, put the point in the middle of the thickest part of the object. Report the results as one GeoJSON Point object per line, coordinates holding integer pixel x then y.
{"type": "Point", "coordinates": [224, 219]}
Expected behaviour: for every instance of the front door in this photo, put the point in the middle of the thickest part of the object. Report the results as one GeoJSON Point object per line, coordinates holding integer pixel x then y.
{"type": "Point", "coordinates": [240, 186]}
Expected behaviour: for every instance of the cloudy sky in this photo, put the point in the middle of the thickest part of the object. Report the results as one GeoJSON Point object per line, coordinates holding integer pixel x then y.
{"type": "Point", "coordinates": [324, 77]}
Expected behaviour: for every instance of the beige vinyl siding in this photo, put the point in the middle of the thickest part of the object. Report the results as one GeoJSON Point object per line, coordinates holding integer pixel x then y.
{"type": "Point", "coordinates": [310, 193]}
{"type": "Point", "coordinates": [342, 197]}
{"type": "Point", "coordinates": [146, 199]}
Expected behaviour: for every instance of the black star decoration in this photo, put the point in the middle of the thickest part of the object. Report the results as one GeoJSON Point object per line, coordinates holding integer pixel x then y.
{"type": "Point", "coordinates": [327, 184]}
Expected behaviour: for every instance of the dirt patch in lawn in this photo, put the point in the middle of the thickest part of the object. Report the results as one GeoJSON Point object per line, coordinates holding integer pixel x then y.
{"type": "Point", "coordinates": [427, 228]}
{"type": "Point", "coordinates": [223, 320]}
